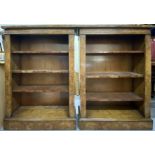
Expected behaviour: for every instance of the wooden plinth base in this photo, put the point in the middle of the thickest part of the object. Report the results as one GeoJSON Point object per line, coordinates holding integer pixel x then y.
{"type": "Point", "coordinates": [40, 118]}
{"type": "Point", "coordinates": [115, 119]}
{"type": "Point", "coordinates": [100, 124]}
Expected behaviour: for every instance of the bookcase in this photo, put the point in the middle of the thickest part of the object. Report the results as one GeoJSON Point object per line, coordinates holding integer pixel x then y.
{"type": "Point", "coordinates": [39, 78]}
{"type": "Point", "coordinates": [115, 78]}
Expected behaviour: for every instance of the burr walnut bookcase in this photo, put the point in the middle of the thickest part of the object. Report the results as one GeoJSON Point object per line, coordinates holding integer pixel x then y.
{"type": "Point", "coordinates": [39, 78]}
{"type": "Point", "coordinates": [115, 78]}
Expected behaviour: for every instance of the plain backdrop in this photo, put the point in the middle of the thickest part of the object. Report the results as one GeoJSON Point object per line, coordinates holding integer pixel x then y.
{"type": "Point", "coordinates": [77, 12]}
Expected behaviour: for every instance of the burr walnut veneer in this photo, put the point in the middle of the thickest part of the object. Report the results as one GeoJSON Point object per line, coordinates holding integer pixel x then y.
{"type": "Point", "coordinates": [115, 70]}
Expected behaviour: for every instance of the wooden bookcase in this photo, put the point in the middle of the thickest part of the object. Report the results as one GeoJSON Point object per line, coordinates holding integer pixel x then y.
{"type": "Point", "coordinates": [39, 78]}
{"type": "Point", "coordinates": [115, 78]}
{"type": "Point", "coordinates": [115, 74]}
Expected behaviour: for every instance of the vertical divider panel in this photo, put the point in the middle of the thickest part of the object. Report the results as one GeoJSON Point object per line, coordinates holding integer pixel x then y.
{"type": "Point", "coordinates": [147, 98]}
{"type": "Point", "coordinates": [8, 77]}
{"type": "Point", "coordinates": [71, 76]}
{"type": "Point", "coordinates": [83, 75]}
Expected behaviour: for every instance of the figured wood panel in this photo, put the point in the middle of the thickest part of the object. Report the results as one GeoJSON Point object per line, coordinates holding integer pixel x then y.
{"type": "Point", "coordinates": [107, 124]}
{"type": "Point", "coordinates": [40, 52]}
{"type": "Point", "coordinates": [48, 112]}
{"type": "Point", "coordinates": [71, 76]}
{"type": "Point", "coordinates": [110, 62]}
{"type": "Point", "coordinates": [109, 85]}
{"type": "Point", "coordinates": [44, 79]}
{"type": "Point", "coordinates": [44, 99]}
{"type": "Point", "coordinates": [83, 75]}
{"type": "Point", "coordinates": [115, 114]}
{"type": "Point", "coordinates": [117, 31]}
{"type": "Point", "coordinates": [40, 89]}
{"type": "Point", "coordinates": [113, 43]}
{"type": "Point", "coordinates": [40, 31]}
{"type": "Point", "coordinates": [147, 93]}
{"type": "Point", "coordinates": [8, 77]}
{"type": "Point", "coordinates": [114, 75]}
{"type": "Point", "coordinates": [113, 52]}
{"type": "Point", "coordinates": [113, 96]}
{"type": "Point", "coordinates": [39, 71]}
{"type": "Point", "coordinates": [41, 62]}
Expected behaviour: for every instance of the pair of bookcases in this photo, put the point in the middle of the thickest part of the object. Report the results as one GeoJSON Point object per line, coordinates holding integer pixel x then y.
{"type": "Point", "coordinates": [114, 77]}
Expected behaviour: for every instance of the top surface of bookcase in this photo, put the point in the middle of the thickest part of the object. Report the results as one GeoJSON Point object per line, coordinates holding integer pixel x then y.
{"type": "Point", "coordinates": [75, 26]}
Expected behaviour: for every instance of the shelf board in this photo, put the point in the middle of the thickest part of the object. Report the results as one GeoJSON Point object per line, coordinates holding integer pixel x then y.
{"type": "Point", "coordinates": [40, 71]}
{"type": "Point", "coordinates": [114, 75]}
{"type": "Point", "coordinates": [115, 114]}
{"type": "Point", "coordinates": [113, 52]}
{"type": "Point", "coordinates": [41, 112]}
{"type": "Point", "coordinates": [112, 97]}
{"type": "Point", "coordinates": [41, 89]}
{"type": "Point", "coordinates": [40, 52]}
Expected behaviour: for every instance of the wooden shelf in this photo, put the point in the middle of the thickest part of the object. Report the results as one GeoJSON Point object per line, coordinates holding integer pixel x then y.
{"type": "Point", "coordinates": [110, 97]}
{"type": "Point", "coordinates": [113, 52]}
{"type": "Point", "coordinates": [41, 89]}
{"type": "Point", "coordinates": [40, 52]}
{"type": "Point", "coordinates": [115, 114]}
{"type": "Point", "coordinates": [48, 112]}
{"type": "Point", "coordinates": [40, 71]}
{"type": "Point", "coordinates": [114, 75]}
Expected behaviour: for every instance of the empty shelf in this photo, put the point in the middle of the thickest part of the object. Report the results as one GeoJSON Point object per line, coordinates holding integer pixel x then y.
{"type": "Point", "coordinates": [39, 89]}
{"type": "Point", "coordinates": [110, 97]}
{"type": "Point", "coordinates": [114, 75]}
{"type": "Point", "coordinates": [39, 52]}
{"type": "Point", "coordinates": [40, 112]}
{"type": "Point", "coordinates": [113, 52]}
{"type": "Point", "coordinates": [115, 114]}
{"type": "Point", "coordinates": [40, 71]}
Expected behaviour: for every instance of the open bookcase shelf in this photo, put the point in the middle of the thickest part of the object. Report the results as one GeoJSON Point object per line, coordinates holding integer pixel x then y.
{"type": "Point", "coordinates": [112, 97]}
{"type": "Point", "coordinates": [39, 52]}
{"type": "Point", "coordinates": [40, 69]}
{"type": "Point", "coordinates": [113, 52]}
{"type": "Point", "coordinates": [113, 77]}
{"type": "Point", "coordinates": [39, 89]}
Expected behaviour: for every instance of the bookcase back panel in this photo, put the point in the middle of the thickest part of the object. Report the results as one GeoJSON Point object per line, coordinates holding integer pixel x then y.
{"type": "Point", "coordinates": [118, 62]}
{"type": "Point", "coordinates": [44, 79]}
{"type": "Point", "coordinates": [40, 62]}
{"type": "Point", "coordinates": [98, 43]}
{"type": "Point", "coordinates": [40, 43]}
{"type": "Point", "coordinates": [109, 85]}
{"type": "Point", "coordinates": [36, 99]}
{"type": "Point", "coordinates": [100, 63]}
